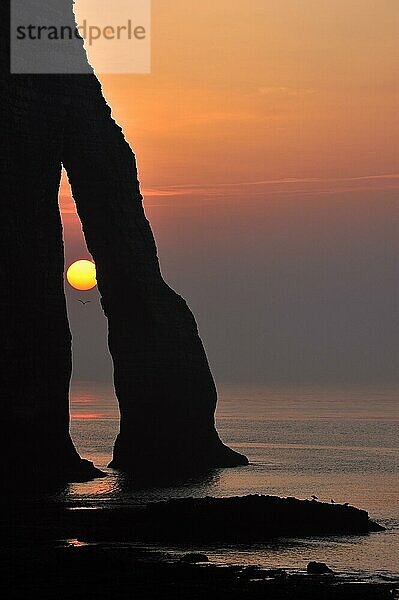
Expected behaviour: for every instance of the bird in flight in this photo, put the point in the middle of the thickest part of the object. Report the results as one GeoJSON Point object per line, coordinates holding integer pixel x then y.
{"type": "Point", "coordinates": [84, 302]}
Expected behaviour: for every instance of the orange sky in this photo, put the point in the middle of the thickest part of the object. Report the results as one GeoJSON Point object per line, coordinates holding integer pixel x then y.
{"type": "Point", "coordinates": [242, 92]}
{"type": "Point", "coordinates": [256, 111]}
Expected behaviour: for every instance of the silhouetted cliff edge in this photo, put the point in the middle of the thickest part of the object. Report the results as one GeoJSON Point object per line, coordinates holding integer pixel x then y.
{"type": "Point", "coordinates": [165, 389]}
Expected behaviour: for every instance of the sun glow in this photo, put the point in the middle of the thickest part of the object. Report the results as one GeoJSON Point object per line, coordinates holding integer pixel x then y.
{"type": "Point", "coordinates": [81, 275]}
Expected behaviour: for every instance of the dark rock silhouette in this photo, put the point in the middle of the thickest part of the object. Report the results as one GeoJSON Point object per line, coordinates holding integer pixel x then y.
{"type": "Point", "coordinates": [96, 561]}
{"type": "Point", "coordinates": [318, 568]}
{"type": "Point", "coordinates": [162, 378]}
{"type": "Point", "coordinates": [105, 572]}
{"type": "Point", "coordinates": [194, 557]}
{"type": "Point", "coordinates": [251, 518]}
{"type": "Point", "coordinates": [237, 520]}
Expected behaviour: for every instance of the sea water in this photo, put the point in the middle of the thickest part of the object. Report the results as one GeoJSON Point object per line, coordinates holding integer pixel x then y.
{"type": "Point", "coordinates": [339, 444]}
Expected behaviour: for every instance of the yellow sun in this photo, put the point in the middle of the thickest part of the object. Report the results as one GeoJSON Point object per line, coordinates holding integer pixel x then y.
{"type": "Point", "coordinates": [81, 275]}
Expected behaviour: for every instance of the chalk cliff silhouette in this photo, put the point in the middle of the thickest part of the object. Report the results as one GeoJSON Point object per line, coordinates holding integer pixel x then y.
{"type": "Point", "coordinates": [162, 379]}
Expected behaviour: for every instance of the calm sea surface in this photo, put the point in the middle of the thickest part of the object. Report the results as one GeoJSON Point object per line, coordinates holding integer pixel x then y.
{"type": "Point", "coordinates": [340, 444]}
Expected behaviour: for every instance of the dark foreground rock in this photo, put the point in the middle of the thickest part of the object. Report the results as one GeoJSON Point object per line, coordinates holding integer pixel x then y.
{"type": "Point", "coordinates": [246, 519]}
{"type": "Point", "coordinates": [236, 520]}
{"type": "Point", "coordinates": [194, 558]}
{"type": "Point", "coordinates": [318, 568]}
{"type": "Point", "coordinates": [102, 572]}
{"type": "Point", "coordinates": [251, 518]}
{"type": "Point", "coordinates": [61, 553]}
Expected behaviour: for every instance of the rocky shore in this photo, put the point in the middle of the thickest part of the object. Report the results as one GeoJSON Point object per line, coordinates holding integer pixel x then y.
{"type": "Point", "coordinates": [104, 553]}
{"type": "Point", "coordinates": [113, 572]}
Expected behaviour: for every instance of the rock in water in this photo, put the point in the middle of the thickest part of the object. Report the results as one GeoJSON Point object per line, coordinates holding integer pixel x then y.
{"type": "Point", "coordinates": [251, 518]}
{"type": "Point", "coordinates": [164, 386]}
{"type": "Point", "coordinates": [194, 557]}
{"type": "Point", "coordinates": [318, 568]}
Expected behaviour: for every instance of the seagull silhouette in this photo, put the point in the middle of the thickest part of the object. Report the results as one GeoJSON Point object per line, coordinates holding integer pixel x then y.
{"type": "Point", "coordinates": [84, 302]}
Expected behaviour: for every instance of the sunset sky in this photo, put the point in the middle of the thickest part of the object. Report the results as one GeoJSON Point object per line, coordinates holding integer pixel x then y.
{"type": "Point", "coordinates": [266, 140]}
